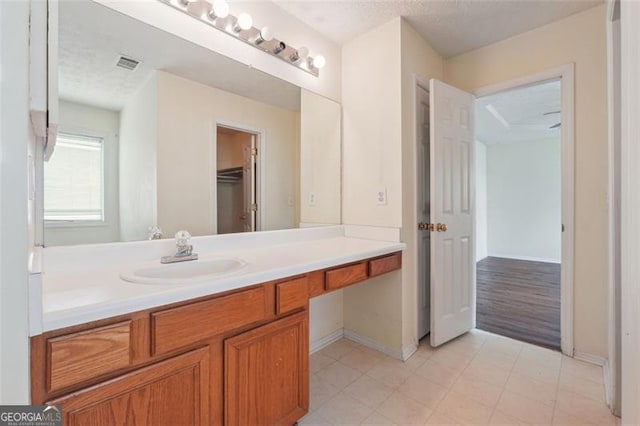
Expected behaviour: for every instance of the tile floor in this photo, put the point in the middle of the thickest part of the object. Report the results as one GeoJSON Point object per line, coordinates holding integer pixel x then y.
{"type": "Point", "coordinates": [479, 378]}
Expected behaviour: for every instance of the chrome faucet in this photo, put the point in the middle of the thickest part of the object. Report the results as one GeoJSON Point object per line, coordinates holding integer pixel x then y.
{"type": "Point", "coordinates": [155, 233]}
{"type": "Point", "coordinates": [184, 249]}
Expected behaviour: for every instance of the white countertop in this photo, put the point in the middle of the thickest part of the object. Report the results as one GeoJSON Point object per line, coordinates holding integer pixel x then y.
{"type": "Point", "coordinates": [91, 289]}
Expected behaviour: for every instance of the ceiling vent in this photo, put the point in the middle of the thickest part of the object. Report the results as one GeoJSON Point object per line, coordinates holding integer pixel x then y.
{"type": "Point", "coordinates": [127, 63]}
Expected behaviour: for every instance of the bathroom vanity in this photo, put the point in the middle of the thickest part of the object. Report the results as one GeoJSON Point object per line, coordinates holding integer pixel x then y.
{"type": "Point", "coordinates": [236, 355]}
{"type": "Point", "coordinates": [225, 339]}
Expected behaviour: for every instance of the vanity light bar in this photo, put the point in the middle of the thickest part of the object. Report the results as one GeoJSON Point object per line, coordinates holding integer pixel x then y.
{"type": "Point", "coordinates": [217, 15]}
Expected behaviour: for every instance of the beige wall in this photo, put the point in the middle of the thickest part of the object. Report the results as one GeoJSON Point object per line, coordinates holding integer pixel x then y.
{"type": "Point", "coordinates": [371, 105]}
{"type": "Point", "coordinates": [371, 102]}
{"type": "Point", "coordinates": [187, 116]}
{"type": "Point", "coordinates": [419, 61]}
{"type": "Point", "coordinates": [580, 39]}
{"type": "Point", "coordinates": [379, 149]}
{"type": "Point", "coordinates": [320, 152]}
{"type": "Point", "coordinates": [325, 315]}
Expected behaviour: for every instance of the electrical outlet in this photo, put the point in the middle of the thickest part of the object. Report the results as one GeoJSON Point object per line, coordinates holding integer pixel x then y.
{"type": "Point", "coordinates": [290, 201]}
{"type": "Point", "coordinates": [381, 196]}
{"type": "Point", "coordinates": [312, 198]}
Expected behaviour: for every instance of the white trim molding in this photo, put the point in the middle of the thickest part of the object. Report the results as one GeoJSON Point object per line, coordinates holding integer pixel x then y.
{"type": "Point", "coordinates": [402, 355]}
{"type": "Point", "coordinates": [325, 341]}
{"type": "Point", "coordinates": [630, 210]}
{"type": "Point", "coordinates": [566, 74]}
{"type": "Point", "coordinates": [590, 358]}
{"type": "Point", "coordinates": [612, 372]}
{"type": "Point", "coordinates": [340, 333]}
{"type": "Point", "coordinates": [608, 385]}
{"type": "Point", "coordinates": [528, 258]}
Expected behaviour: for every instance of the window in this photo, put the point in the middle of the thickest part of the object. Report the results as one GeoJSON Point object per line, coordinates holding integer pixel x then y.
{"type": "Point", "coordinates": [73, 180]}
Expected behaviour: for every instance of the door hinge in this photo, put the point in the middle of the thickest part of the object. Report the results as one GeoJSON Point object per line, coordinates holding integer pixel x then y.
{"type": "Point", "coordinates": [254, 151]}
{"type": "Point", "coordinates": [254, 207]}
{"type": "Point", "coordinates": [563, 227]}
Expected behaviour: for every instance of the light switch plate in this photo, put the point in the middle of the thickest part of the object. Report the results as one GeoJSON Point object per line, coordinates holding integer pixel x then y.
{"type": "Point", "coordinates": [381, 196]}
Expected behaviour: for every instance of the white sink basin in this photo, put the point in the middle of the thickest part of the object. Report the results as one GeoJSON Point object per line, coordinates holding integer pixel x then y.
{"type": "Point", "coordinates": [188, 272]}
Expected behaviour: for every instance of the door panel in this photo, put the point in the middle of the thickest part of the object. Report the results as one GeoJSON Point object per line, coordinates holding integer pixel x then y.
{"type": "Point", "coordinates": [452, 194]}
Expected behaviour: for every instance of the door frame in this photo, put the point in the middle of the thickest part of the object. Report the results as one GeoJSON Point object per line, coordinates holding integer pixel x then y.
{"type": "Point", "coordinates": [630, 224]}
{"type": "Point", "coordinates": [566, 74]}
{"type": "Point", "coordinates": [612, 364]}
{"type": "Point", "coordinates": [261, 145]}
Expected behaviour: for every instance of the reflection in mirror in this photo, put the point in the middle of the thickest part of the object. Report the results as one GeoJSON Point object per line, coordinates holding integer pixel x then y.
{"type": "Point", "coordinates": [320, 154]}
{"type": "Point", "coordinates": [158, 134]}
{"type": "Point", "coordinates": [237, 180]}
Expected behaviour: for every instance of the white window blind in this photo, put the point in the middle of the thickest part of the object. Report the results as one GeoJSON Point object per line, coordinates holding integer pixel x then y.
{"type": "Point", "coordinates": [74, 179]}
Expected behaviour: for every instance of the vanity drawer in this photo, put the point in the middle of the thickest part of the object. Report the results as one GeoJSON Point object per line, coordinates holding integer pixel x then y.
{"type": "Point", "coordinates": [385, 264]}
{"type": "Point", "coordinates": [291, 295]}
{"type": "Point", "coordinates": [81, 356]}
{"type": "Point", "coordinates": [185, 325]}
{"type": "Point", "coordinates": [345, 275]}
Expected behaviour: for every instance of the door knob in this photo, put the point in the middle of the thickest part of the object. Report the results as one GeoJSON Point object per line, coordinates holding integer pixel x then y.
{"type": "Point", "coordinates": [441, 227]}
{"type": "Point", "coordinates": [426, 226]}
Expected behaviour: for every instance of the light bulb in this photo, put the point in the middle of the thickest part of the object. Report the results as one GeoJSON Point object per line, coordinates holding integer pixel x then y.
{"type": "Point", "coordinates": [264, 35]}
{"type": "Point", "coordinates": [243, 23]}
{"type": "Point", "coordinates": [220, 9]}
{"type": "Point", "coordinates": [319, 61]}
{"type": "Point", "coordinates": [299, 54]}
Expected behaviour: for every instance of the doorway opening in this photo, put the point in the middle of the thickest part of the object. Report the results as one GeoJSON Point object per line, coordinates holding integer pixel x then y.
{"type": "Point", "coordinates": [447, 209]}
{"type": "Point", "coordinates": [236, 180]}
{"type": "Point", "coordinates": [423, 186]}
{"type": "Point", "coordinates": [519, 213]}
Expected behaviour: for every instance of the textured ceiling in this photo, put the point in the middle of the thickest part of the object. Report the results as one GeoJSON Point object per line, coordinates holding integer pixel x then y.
{"type": "Point", "coordinates": [519, 114]}
{"type": "Point", "coordinates": [449, 26]}
{"type": "Point", "coordinates": [92, 37]}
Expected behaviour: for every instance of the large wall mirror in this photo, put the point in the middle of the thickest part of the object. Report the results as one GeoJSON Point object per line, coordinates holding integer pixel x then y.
{"type": "Point", "coordinates": [156, 133]}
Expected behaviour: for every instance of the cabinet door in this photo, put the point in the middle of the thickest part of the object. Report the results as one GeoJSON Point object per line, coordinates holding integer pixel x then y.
{"type": "Point", "coordinates": [172, 392]}
{"type": "Point", "coordinates": [267, 374]}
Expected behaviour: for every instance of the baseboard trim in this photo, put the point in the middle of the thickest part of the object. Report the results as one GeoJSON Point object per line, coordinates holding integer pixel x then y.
{"type": "Point", "coordinates": [340, 333]}
{"type": "Point", "coordinates": [407, 351]}
{"type": "Point", "coordinates": [592, 359]}
{"type": "Point", "coordinates": [325, 341]}
{"type": "Point", "coordinates": [531, 259]}
{"type": "Point", "coordinates": [606, 373]}
{"type": "Point", "coordinates": [365, 341]}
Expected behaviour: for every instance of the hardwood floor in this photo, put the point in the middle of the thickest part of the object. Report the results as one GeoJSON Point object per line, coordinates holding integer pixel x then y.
{"type": "Point", "coordinates": [519, 299]}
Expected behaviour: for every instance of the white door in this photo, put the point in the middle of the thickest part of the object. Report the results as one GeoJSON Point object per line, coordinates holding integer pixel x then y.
{"type": "Point", "coordinates": [424, 214]}
{"type": "Point", "coordinates": [249, 184]}
{"type": "Point", "coordinates": [452, 212]}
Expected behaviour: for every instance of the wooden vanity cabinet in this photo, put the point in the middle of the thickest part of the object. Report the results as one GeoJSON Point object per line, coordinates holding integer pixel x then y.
{"type": "Point", "coordinates": [267, 373]}
{"type": "Point", "coordinates": [240, 357]}
{"type": "Point", "coordinates": [171, 392]}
